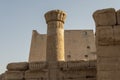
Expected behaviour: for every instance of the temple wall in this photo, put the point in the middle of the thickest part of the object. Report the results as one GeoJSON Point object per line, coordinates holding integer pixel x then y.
{"type": "Point", "coordinates": [72, 70]}
{"type": "Point", "coordinates": [38, 47]}
{"type": "Point", "coordinates": [79, 45]}
{"type": "Point", "coordinates": [107, 43]}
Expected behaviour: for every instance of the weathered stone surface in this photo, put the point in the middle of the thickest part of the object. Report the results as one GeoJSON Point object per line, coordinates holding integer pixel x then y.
{"type": "Point", "coordinates": [51, 69]}
{"type": "Point", "coordinates": [74, 65]}
{"type": "Point", "coordinates": [32, 79]}
{"type": "Point", "coordinates": [55, 35]}
{"type": "Point", "coordinates": [36, 74]}
{"type": "Point", "coordinates": [63, 65]}
{"type": "Point", "coordinates": [104, 35]}
{"type": "Point", "coordinates": [108, 51]}
{"type": "Point", "coordinates": [18, 66]}
{"type": "Point", "coordinates": [107, 75]}
{"type": "Point", "coordinates": [105, 17]}
{"type": "Point", "coordinates": [93, 64]}
{"type": "Point", "coordinates": [118, 17]}
{"type": "Point", "coordinates": [77, 65]}
{"type": "Point", "coordinates": [116, 29]}
{"type": "Point", "coordinates": [107, 63]}
{"type": "Point", "coordinates": [55, 15]}
{"type": "Point", "coordinates": [2, 76]}
{"type": "Point", "coordinates": [38, 47]}
{"type": "Point", "coordinates": [78, 75]}
{"type": "Point", "coordinates": [108, 44]}
{"type": "Point", "coordinates": [78, 43]}
{"type": "Point", "coordinates": [34, 66]}
{"type": "Point", "coordinates": [14, 75]}
{"type": "Point", "coordinates": [74, 74]}
{"type": "Point", "coordinates": [119, 65]}
{"type": "Point", "coordinates": [55, 41]}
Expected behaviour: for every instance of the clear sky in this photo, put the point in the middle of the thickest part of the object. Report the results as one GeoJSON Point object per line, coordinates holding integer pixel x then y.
{"type": "Point", "coordinates": [19, 17]}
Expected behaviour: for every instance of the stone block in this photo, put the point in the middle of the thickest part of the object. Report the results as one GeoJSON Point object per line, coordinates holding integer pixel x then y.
{"type": "Point", "coordinates": [105, 17]}
{"type": "Point", "coordinates": [119, 64]}
{"type": "Point", "coordinates": [102, 75]}
{"type": "Point", "coordinates": [55, 15]}
{"type": "Point", "coordinates": [53, 65]}
{"type": "Point", "coordinates": [92, 63]}
{"type": "Point", "coordinates": [107, 63]}
{"type": "Point", "coordinates": [108, 51]}
{"type": "Point", "coordinates": [77, 65]}
{"type": "Point", "coordinates": [2, 76]}
{"type": "Point", "coordinates": [75, 79]}
{"type": "Point", "coordinates": [118, 17]}
{"type": "Point", "coordinates": [117, 34]}
{"type": "Point", "coordinates": [105, 79]}
{"type": "Point", "coordinates": [20, 66]}
{"type": "Point", "coordinates": [73, 65]}
{"type": "Point", "coordinates": [104, 35]}
{"type": "Point", "coordinates": [36, 74]}
{"type": "Point", "coordinates": [108, 75]}
{"type": "Point", "coordinates": [14, 75]}
{"type": "Point", "coordinates": [74, 74]}
{"type": "Point", "coordinates": [91, 79]}
{"type": "Point", "coordinates": [63, 65]}
{"type": "Point", "coordinates": [33, 66]}
{"type": "Point", "coordinates": [32, 79]}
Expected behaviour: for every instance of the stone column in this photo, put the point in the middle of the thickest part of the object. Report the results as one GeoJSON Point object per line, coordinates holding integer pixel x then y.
{"type": "Point", "coordinates": [55, 41]}
{"type": "Point", "coordinates": [55, 35]}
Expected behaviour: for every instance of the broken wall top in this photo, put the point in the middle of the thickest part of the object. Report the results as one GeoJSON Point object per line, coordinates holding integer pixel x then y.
{"type": "Point", "coordinates": [106, 17]}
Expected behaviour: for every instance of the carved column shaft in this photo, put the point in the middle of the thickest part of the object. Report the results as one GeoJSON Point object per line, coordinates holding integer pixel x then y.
{"type": "Point", "coordinates": [55, 41]}
{"type": "Point", "coordinates": [55, 35]}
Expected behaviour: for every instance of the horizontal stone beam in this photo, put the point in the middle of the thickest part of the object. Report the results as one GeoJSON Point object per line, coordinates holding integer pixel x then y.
{"type": "Point", "coordinates": [20, 66]}
{"type": "Point", "coordinates": [14, 75]}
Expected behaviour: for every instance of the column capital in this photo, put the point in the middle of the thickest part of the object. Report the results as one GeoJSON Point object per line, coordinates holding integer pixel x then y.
{"type": "Point", "coordinates": [55, 15]}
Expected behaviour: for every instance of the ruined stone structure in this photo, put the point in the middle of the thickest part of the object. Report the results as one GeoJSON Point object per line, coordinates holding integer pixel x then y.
{"type": "Point", "coordinates": [79, 45]}
{"type": "Point", "coordinates": [57, 65]}
{"type": "Point", "coordinates": [108, 44]}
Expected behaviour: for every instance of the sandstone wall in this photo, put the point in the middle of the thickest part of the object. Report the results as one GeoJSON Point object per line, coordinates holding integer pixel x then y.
{"type": "Point", "coordinates": [79, 45]}
{"type": "Point", "coordinates": [71, 70]}
{"type": "Point", "coordinates": [77, 70]}
{"type": "Point", "coordinates": [16, 71]}
{"type": "Point", "coordinates": [38, 47]}
{"type": "Point", "coordinates": [108, 43]}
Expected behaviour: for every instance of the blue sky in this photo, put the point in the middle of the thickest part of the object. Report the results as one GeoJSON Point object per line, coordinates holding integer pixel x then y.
{"type": "Point", "coordinates": [19, 17]}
